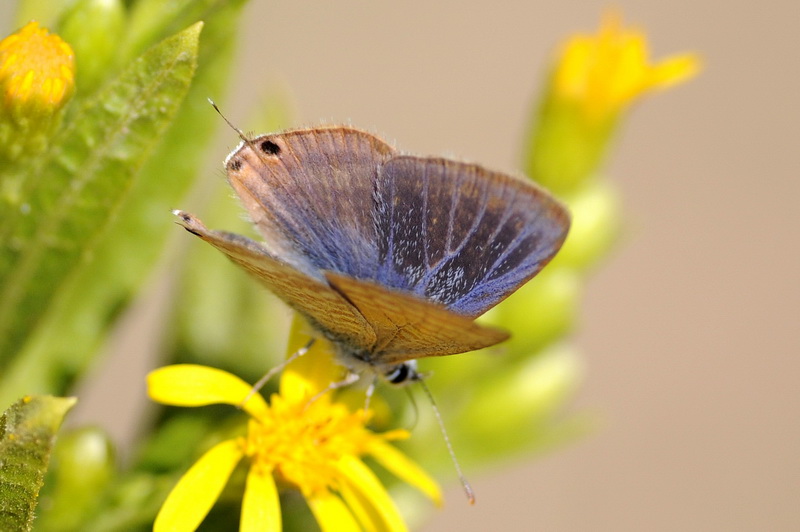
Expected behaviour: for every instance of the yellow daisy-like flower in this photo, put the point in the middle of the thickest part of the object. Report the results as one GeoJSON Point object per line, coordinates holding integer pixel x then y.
{"type": "Point", "coordinates": [595, 79]}
{"type": "Point", "coordinates": [315, 445]}
{"type": "Point", "coordinates": [608, 71]}
{"type": "Point", "coordinates": [37, 72]}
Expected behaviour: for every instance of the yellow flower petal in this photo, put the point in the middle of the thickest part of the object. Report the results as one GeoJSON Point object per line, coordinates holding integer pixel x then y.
{"type": "Point", "coordinates": [195, 494]}
{"type": "Point", "coordinates": [369, 489]}
{"type": "Point", "coordinates": [193, 385]}
{"type": "Point", "coordinates": [261, 509]}
{"type": "Point", "coordinates": [314, 446]}
{"type": "Point", "coordinates": [331, 513]}
{"type": "Point", "coordinates": [606, 72]}
{"type": "Point", "coordinates": [675, 70]}
{"type": "Point", "coordinates": [363, 509]}
{"type": "Point", "coordinates": [405, 469]}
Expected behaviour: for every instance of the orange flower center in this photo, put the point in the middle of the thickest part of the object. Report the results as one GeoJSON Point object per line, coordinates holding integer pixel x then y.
{"type": "Point", "coordinates": [302, 442]}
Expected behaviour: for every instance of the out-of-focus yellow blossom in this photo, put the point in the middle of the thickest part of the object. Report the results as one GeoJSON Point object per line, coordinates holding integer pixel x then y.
{"type": "Point", "coordinates": [37, 72]}
{"type": "Point", "coordinates": [595, 79]}
{"type": "Point", "coordinates": [314, 445]}
{"type": "Point", "coordinates": [606, 72]}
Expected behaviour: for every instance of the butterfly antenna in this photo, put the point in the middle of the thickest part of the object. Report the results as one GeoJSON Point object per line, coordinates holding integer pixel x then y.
{"type": "Point", "coordinates": [464, 483]}
{"type": "Point", "coordinates": [271, 373]}
{"type": "Point", "coordinates": [414, 406]}
{"type": "Point", "coordinates": [225, 118]}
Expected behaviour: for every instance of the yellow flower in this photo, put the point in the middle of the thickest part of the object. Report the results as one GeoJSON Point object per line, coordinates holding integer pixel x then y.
{"type": "Point", "coordinates": [608, 71]}
{"type": "Point", "coordinates": [314, 445]}
{"type": "Point", "coordinates": [595, 80]}
{"type": "Point", "coordinates": [37, 72]}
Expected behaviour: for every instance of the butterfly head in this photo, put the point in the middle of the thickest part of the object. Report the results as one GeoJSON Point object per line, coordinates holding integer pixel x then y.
{"type": "Point", "coordinates": [367, 362]}
{"type": "Point", "coordinates": [403, 373]}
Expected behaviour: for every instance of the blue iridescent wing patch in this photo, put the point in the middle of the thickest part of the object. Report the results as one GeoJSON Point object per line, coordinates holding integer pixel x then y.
{"type": "Point", "coordinates": [461, 235]}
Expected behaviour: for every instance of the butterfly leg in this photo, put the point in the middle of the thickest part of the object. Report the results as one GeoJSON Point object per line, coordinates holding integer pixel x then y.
{"type": "Point", "coordinates": [349, 379]}
{"type": "Point", "coordinates": [368, 394]}
{"type": "Point", "coordinates": [271, 373]}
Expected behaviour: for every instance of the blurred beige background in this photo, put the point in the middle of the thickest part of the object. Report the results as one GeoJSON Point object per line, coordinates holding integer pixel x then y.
{"type": "Point", "coordinates": [690, 330]}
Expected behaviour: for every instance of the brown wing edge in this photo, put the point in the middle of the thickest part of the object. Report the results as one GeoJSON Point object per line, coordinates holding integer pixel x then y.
{"type": "Point", "coordinates": [408, 327]}
{"type": "Point", "coordinates": [320, 304]}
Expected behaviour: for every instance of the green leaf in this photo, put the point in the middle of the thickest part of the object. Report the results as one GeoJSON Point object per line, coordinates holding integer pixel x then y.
{"type": "Point", "coordinates": [72, 191]}
{"type": "Point", "coordinates": [146, 219]}
{"type": "Point", "coordinates": [27, 433]}
{"type": "Point", "coordinates": [135, 238]}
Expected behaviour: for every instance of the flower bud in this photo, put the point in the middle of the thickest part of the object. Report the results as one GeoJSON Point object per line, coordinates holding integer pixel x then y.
{"type": "Point", "coordinates": [596, 221]}
{"type": "Point", "coordinates": [37, 78]}
{"type": "Point", "coordinates": [594, 81]}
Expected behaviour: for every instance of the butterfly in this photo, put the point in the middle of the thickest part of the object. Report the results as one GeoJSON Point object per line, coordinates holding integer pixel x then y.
{"type": "Point", "coordinates": [390, 257]}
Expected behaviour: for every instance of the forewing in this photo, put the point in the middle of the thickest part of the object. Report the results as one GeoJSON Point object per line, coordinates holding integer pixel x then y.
{"type": "Point", "coordinates": [408, 327]}
{"type": "Point", "coordinates": [461, 235]}
{"type": "Point", "coordinates": [324, 307]}
{"type": "Point", "coordinates": [310, 194]}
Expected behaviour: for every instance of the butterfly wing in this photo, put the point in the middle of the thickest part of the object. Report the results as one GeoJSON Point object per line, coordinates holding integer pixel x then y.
{"type": "Point", "coordinates": [391, 255]}
{"type": "Point", "coordinates": [408, 327]}
{"type": "Point", "coordinates": [339, 199]}
{"type": "Point", "coordinates": [316, 301]}
{"type": "Point", "coordinates": [461, 235]}
{"type": "Point", "coordinates": [309, 192]}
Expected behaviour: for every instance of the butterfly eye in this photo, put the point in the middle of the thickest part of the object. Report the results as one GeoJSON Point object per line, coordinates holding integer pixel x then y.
{"type": "Point", "coordinates": [270, 147]}
{"type": "Point", "coordinates": [403, 373]}
{"type": "Point", "coordinates": [398, 374]}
